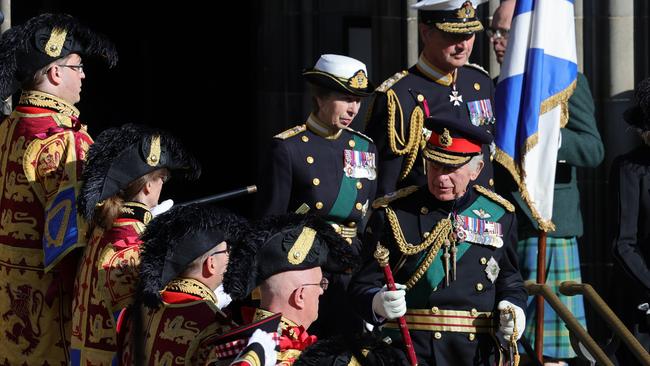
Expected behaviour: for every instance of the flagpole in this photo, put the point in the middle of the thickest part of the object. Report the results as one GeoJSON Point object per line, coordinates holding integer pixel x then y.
{"type": "Point", "coordinates": [539, 300]}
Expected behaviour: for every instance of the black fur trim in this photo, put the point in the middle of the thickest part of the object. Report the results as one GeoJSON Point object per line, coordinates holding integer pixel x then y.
{"type": "Point", "coordinates": [340, 350]}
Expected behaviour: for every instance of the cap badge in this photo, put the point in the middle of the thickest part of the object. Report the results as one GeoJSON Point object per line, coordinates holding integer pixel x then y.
{"type": "Point", "coordinates": [154, 151]}
{"type": "Point", "coordinates": [445, 139]}
{"type": "Point", "coordinates": [465, 11]}
{"type": "Point", "coordinates": [302, 246]}
{"type": "Point", "coordinates": [359, 80]}
{"type": "Point", "coordinates": [54, 45]}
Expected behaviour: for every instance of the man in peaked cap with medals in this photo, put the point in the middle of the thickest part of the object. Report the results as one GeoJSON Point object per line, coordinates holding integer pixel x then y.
{"type": "Point", "coordinates": [293, 252]}
{"type": "Point", "coordinates": [442, 81]}
{"type": "Point", "coordinates": [42, 148]}
{"type": "Point", "coordinates": [451, 243]}
{"type": "Point", "coordinates": [123, 178]}
{"type": "Point", "coordinates": [327, 166]}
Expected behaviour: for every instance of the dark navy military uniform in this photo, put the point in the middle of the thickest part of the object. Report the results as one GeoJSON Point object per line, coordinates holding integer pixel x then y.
{"type": "Point", "coordinates": [452, 320]}
{"type": "Point", "coordinates": [413, 95]}
{"type": "Point", "coordinates": [307, 168]}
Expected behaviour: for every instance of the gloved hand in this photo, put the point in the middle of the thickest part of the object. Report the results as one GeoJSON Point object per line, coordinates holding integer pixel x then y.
{"type": "Point", "coordinates": [507, 323]}
{"type": "Point", "coordinates": [161, 207]}
{"type": "Point", "coordinates": [266, 341]}
{"type": "Point", "coordinates": [223, 299]}
{"type": "Point", "coordinates": [390, 304]}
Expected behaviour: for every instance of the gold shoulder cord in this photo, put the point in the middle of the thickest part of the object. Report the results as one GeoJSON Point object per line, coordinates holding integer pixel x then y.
{"type": "Point", "coordinates": [412, 146]}
{"type": "Point", "coordinates": [440, 234]}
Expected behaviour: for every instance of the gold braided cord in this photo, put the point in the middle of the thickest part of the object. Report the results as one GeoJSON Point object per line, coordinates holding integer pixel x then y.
{"type": "Point", "coordinates": [417, 122]}
{"type": "Point", "coordinates": [515, 335]}
{"type": "Point", "coordinates": [464, 27]}
{"type": "Point", "coordinates": [441, 233]}
{"type": "Point", "coordinates": [398, 234]}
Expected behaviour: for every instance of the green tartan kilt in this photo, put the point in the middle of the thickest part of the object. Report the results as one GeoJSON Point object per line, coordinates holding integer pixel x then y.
{"type": "Point", "coordinates": [562, 264]}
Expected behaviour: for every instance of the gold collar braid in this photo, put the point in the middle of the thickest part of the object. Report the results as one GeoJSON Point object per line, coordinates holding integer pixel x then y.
{"type": "Point", "coordinates": [192, 287]}
{"type": "Point", "coordinates": [44, 100]}
{"type": "Point", "coordinates": [440, 234]}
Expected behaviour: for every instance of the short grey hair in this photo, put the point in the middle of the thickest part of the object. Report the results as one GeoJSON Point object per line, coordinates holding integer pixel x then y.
{"type": "Point", "coordinates": [475, 161]}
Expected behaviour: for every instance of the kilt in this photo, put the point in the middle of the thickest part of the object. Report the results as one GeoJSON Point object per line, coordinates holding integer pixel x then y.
{"type": "Point", "coordinates": [562, 264]}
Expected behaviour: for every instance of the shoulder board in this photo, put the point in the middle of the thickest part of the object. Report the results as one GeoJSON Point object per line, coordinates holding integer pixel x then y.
{"type": "Point", "coordinates": [360, 134]}
{"type": "Point", "coordinates": [495, 197]}
{"type": "Point", "coordinates": [291, 132]}
{"type": "Point", "coordinates": [387, 199]}
{"type": "Point", "coordinates": [391, 81]}
{"type": "Point", "coordinates": [478, 67]}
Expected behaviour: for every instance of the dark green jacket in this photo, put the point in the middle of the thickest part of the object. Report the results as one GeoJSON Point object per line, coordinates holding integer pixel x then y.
{"type": "Point", "coordinates": [581, 147]}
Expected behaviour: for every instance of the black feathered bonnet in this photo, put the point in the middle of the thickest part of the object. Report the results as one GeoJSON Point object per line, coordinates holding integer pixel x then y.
{"type": "Point", "coordinates": [26, 48]}
{"type": "Point", "coordinates": [174, 239]}
{"type": "Point", "coordinates": [123, 154]}
{"type": "Point", "coordinates": [286, 243]}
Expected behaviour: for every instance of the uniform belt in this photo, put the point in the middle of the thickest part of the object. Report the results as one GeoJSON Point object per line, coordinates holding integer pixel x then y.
{"type": "Point", "coordinates": [345, 231]}
{"type": "Point", "coordinates": [438, 320]}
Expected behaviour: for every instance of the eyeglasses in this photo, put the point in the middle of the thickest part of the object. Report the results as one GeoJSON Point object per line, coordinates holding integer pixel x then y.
{"type": "Point", "coordinates": [78, 68]}
{"type": "Point", "coordinates": [324, 284]}
{"type": "Point", "coordinates": [497, 33]}
{"type": "Point", "coordinates": [219, 252]}
{"type": "Point", "coordinates": [165, 177]}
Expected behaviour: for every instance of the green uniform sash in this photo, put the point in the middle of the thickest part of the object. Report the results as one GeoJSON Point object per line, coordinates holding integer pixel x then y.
{"type": "Point", "coordinates": [347, 195]}
{"type": "Point", "coordinates": [418, 296]}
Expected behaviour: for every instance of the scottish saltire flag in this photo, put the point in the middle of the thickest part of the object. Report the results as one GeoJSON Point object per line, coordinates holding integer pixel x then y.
{"type": "Point", "coordinates": [537, 78]}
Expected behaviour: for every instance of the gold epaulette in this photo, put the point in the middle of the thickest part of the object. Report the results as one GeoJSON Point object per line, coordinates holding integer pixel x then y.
{"type": "Point", "coordinates": [291, 132]}
{"type": "Point", "coordinates": [478, 67]}
{"type": "Point", "coordinates": [495, 197]}
{"type": "Point", "coordinates": [359, 133]}
{"type": "Point", "coordinates": [390, 197]}
{"type": "Point", "coordinates": [388, 83]}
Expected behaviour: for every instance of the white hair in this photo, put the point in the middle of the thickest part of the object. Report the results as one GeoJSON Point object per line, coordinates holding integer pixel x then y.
{"type": "Point", "coordinates": [474, 162]}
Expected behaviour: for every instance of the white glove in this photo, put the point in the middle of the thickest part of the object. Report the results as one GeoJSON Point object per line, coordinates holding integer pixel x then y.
{"type": "Point", "coordinates": [507, 323]}
{"type": "Point", "coordinates": [266, 341]}
{"type": "Point", "coordinates": [161, 207]}
{"type": "Point", "coordinates": [223, 299]}
{"type": "Point", "coordinates": [390, 304]}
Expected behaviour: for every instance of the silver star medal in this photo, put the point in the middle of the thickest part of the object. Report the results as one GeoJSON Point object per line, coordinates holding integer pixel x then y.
{"type": "Point", "coordinates": [492, 269]}
{"type": "Point", "coordinates": [455, 98]}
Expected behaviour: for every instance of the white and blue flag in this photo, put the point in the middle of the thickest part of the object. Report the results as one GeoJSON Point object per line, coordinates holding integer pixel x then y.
{"type": "Point", "coordinates": [537, 78]}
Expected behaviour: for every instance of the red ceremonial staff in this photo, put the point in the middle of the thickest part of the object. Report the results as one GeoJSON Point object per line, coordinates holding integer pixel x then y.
{"type": "Point", "coordinates": [381, 255]}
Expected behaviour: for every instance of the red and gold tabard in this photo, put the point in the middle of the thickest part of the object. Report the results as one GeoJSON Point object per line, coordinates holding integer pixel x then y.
{"type": "Point", "coordinates": [105, 285]}
{"type": "Point", "coordinates": [42, 149]}
{"type": "Point", "coordinates": [293, 340]}
{"type": "Point", "coordinates": [171, 333]}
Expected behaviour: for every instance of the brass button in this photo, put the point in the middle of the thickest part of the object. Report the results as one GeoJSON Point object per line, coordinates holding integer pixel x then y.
{"type": "Point", "coordinates": [358, 206]}
{"type": "Point", "coordinates": [359, 185]}
{"type": "Point", "coordinates": [435, 289]}
{"type": "Point", "coordinates": [479, 287]}
{"type": "Point", "coordinates": [310, 160]}
{"type": "Point", "coordinates": [424, 210]}
{"type": "Point", "coordinates": [316, 181]}
{"type": "Point", "coordinates": [491, 157]}
{"type": "Point", "coordinates": [471, 336]}
{"type": "Point", "coordinates": [420, 98]}
{"type": "Point", "coordinates": [491, 182]}
{"type": "Point", "coordinates": [352, 224]}
{"type": "Point", "coordinates": [437, 335]}
{"type": "Point", "coordinates": [305, 138]}
{"type": "Point", "coordinates": [351, 143]}
{"type": "Point", "coordinates": [474, 312]}
{"type": "Point", "coordinates": [426, 234]}
{"type": "Point", "coordinates": [484, 261]}
{"type": "Point", "coordinates": [319, 205]}
{"type": "Point", "coordinates": [434, 310]}
{"type": "Point", "coordinates": [477, 86]}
